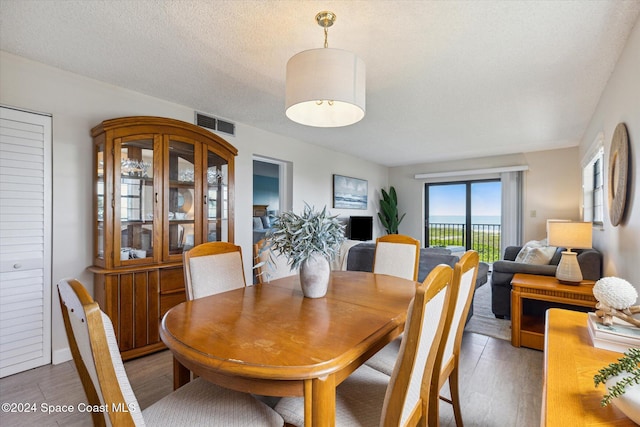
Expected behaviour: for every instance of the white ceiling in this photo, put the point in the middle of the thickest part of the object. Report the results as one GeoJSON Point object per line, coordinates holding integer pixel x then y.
{"type": "Point", "coordinates": [445, 79]}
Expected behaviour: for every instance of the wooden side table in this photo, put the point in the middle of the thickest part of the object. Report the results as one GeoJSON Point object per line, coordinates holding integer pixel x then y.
{"type": "Point", "coordinates": [569, 397]}
{"type": "Point", "coordinates": [527, 329]}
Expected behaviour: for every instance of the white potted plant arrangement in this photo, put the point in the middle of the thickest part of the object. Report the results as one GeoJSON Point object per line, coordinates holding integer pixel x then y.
{"type": "Point", "coordinates": [623, 384]}
{"type": "Point", "coordinates": [615, 298]}
{"type": "Point", "coordinates": [309, 242]}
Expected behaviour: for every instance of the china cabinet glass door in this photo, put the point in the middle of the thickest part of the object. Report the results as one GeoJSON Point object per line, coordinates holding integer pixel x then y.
{"type": "Point", "coordinates": [99, 248]}
{"type": "Point", "coordinates": [180, 199]}
{"type": "Point", "coordinates": [135, 199]}
{"type": "Point", "coordinates": [217, 197]}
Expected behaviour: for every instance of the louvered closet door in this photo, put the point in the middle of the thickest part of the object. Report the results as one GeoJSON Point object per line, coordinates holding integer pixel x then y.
{"type": "Point", "coordinates": [25, 240]}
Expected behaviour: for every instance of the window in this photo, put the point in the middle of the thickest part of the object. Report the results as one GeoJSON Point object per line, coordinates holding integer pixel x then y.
{"type": "Point", "coordinates": [593, 186]}
{"type": "Point", "coordinates": [465, 215]}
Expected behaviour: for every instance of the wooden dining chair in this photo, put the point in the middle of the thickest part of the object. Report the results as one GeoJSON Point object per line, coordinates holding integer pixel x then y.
{"type": "Point", "coordinates": [397, 255]}
{"type": "Point", "coordinates": [464, 277]}
{"type": "Point", "coordinates": [95, 353]}
{"type": "Point", "coordinates": [269, 264]}
{"type": "Point", "coordinates": [369, 397]}
{"type": "Point", "coordinates": [211, 268]}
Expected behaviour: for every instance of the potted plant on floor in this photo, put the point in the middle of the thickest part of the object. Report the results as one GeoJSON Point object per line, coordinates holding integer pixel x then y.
{"type": "Point", "coordinates": [308, 241]}
{"type": "Point", "coordinates": [389, 216]}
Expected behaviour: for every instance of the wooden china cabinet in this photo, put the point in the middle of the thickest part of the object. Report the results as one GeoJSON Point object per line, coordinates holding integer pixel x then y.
{"type": "Point", "coordinates": [161, 186]}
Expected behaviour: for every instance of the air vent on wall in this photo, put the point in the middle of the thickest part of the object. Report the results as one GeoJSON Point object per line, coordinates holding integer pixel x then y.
{"type": "Point", "coordinates": [215, 123]}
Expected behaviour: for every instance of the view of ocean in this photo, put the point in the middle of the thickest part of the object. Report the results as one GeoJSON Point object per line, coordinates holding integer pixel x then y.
{"type": "Point", "coordinates": [460, 219]}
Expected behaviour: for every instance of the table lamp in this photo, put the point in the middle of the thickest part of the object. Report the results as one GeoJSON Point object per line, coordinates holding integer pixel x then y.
{"type": "Point", "coordinates": [571, 235]}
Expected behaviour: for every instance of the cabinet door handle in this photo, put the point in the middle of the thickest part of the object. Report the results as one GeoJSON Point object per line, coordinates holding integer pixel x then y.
{"type": "Point", "coordinates": [17, 266]}
{"type": "Point", "coordinates": [156, 197]}
{"type": "Point", "coordinates": [204, 199]}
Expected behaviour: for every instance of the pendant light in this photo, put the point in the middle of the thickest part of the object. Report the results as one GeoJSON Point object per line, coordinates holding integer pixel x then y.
{"type": "Point", "coordinates": [325, 87]}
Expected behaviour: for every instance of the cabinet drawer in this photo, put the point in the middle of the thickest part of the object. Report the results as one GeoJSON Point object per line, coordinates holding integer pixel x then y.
{"type": "Point", "coordinates": [171, 279]}
{"type": "Point", "coordinates": [167, 301]}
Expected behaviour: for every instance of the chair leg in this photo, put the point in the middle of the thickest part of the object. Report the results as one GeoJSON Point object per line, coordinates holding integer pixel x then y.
{"type": "Point", "coordinates": [455, 395]}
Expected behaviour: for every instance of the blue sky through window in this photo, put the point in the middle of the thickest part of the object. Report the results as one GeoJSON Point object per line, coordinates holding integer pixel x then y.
{"type": "Point", "coordinates": [446, 201]}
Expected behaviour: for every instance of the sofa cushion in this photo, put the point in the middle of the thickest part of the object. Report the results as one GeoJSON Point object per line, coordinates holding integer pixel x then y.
{"type": "Point", "coordinates": [539, 256]}
{"type": "Point", "coordinates": [535, 251]}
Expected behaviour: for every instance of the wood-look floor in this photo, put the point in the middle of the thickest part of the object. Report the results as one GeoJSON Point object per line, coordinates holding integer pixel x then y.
{"type": "Point", "coordinates": [502, 386]}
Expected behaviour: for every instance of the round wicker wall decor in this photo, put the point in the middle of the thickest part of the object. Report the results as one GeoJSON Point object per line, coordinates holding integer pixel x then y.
{"type": "Point", "coordinates": [618, 173]}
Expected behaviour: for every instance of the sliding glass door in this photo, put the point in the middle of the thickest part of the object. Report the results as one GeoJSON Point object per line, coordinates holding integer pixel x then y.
{"type": "Point", "coordinates": [464, 215]}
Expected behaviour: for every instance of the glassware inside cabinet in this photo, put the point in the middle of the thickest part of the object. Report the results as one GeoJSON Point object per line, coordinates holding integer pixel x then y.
{"type": "Point", "coordinates": [217, 198]}
{"type": "Point", "coordinates": [136, 199]}
{"type": "Point", "coordinates": [99, 201]}
{"type": "Point", "coordinates": [181, 206]}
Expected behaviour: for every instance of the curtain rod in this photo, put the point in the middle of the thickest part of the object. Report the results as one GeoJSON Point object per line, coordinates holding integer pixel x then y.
{"type": "Point", "coordinates": [471, 172]}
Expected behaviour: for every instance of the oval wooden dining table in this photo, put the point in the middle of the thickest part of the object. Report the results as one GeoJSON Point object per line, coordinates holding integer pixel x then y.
{"type": "Point", "coordinates": [270, 340]}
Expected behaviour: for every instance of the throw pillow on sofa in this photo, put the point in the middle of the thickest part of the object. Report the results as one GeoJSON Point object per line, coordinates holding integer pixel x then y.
{"type": "Point", "coordinates": [536, 252]}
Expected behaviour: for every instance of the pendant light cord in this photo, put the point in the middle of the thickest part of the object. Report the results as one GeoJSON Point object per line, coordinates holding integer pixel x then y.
{"type": "Point", "coordinates": [326, 34]}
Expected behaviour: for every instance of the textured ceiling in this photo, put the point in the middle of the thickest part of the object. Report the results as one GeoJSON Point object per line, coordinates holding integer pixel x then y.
{"type": "Point", "coordinates": [445, 79]}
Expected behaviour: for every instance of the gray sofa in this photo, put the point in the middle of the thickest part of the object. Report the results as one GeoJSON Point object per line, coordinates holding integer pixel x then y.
{"type": "Point", "coordinates": [590, 261]}
{"type": "Point", "coordinates": [360, 258]}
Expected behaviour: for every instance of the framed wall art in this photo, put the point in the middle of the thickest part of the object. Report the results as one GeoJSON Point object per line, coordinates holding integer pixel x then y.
{"type": "Point", "coordinates": [349, 193]}
{"type": "Point", "coordinates": [618, 174]}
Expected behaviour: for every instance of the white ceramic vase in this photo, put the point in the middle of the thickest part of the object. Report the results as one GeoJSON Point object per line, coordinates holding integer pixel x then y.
{"type": "Point", "coordinates": [629, 401]}
{"type": "Point", "coordinates": [315, 272]}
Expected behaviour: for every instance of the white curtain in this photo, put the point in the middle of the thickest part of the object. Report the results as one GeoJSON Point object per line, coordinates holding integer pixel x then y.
{"type": "Point", "coordinates": [511, 209]}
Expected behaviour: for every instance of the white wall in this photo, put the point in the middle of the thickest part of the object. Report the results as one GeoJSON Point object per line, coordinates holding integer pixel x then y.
{"type": "Point", "coordinates": [78, 103]}
{"type": "Point", "coordinates": [551, 189]}
{"type": "Point", "coordinates": [620, 103]}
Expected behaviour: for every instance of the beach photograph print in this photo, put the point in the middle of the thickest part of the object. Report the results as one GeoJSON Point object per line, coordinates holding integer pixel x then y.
{"type": "Point", "coordinates": [349, 193]}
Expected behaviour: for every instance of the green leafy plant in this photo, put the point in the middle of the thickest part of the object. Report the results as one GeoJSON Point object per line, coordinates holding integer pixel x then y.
{"type": "Point", "coordinates": [300, 236]}
{"type": "Point", "coordinates": [389, 211]}
{"type": "Point", "coordinates": [629, 363]}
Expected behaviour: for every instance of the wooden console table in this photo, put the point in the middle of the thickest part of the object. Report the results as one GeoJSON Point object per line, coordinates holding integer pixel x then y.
{"type": "Point", "coordinates": [527, 329]}
{"type": "Point", "coordinates": [569, 397]}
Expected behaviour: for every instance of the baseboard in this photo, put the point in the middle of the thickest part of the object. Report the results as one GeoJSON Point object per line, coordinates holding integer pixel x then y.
{"type": "Point", "coordinates": [61, 356]}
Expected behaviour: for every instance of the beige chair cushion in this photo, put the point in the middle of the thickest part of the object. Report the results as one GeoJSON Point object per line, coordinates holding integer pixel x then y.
{"type": "Point", "coordinates": [121, 373]}
{"type": "Point", "coordinates": [359, 401]}
{"type": "Point", "coordinates": [395, 259]}
{"type": "Point", "coordinates": [385, 359]}
{"type": "Point", "coordinates": [212, 274]}
{"type": "Point", "coordinates": [466, 286]}
{"type": "Point", "coordinates": [200, 403]}
{"type": "Point", "coordinates": [430, 322]}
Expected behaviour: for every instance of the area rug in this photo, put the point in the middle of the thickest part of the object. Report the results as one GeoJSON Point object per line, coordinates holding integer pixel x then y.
{"type": "Point", "coordinates": [483, 321]}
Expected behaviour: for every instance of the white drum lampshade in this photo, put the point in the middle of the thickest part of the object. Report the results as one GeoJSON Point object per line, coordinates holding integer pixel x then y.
{"type": "Point", "coordinates": [325, 88]}
{"type": "Point", "coordinates": [571, 235]}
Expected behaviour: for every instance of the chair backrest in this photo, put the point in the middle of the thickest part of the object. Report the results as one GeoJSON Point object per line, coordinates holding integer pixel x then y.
{"type": "Point", "coordinates": [97, 357]}
{"type": "Point", "coordinates": [270, 265]}
{"type": "Point", "coordinates": [411, 392]}
{"type": "Point", "coordinates": [211, 268]}
{"type": "Point", "coordinates": [464, 278]}
{"type": "Point", "coordinates": [397, 255]}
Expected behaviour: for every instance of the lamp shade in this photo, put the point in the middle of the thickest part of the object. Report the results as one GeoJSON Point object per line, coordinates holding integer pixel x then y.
{"type": "Point", "coordinates": [325, 88]}
{"type": "Point", "coordinates": [572, 235]}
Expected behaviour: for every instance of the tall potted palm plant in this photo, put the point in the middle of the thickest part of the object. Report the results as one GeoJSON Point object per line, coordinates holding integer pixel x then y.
{"type": "Point", "coordinates": [388, 214]}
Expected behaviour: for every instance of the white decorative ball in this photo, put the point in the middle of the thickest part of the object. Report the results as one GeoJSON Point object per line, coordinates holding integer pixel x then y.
{"type": "Point", "coordinates": [615, 292]}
